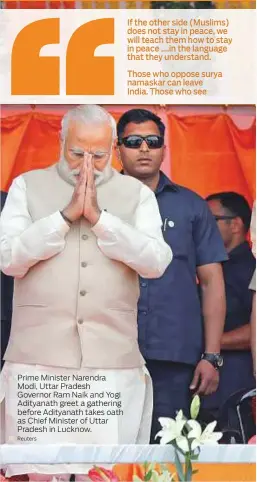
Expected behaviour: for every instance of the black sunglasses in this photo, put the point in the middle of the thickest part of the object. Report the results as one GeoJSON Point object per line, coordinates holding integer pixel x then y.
{"type": "Point", "coordinates": [135, 141]}
{"type": "Point", "coordinates": [221, 217]}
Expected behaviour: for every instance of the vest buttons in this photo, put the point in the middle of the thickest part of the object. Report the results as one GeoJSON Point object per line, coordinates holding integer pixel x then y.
{"type": "Point", "coordinates": [82, 293]}
{"type": "Point", "coordinates": [80, 321]}
{"type": "Point", "coordinates": [84, 264]}
{"type": "Point", "coordinates": [84, 237]}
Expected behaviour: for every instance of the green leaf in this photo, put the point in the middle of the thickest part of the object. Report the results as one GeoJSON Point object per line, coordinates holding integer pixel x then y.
{"type": "Point", "coordinates": [145, 465]}
{"type": "Point", "coordinates": [194, 457]}
{"type": "Point", "coordinates": [148, 476]}
{"type": "Point", "coordinates": [179, 468]}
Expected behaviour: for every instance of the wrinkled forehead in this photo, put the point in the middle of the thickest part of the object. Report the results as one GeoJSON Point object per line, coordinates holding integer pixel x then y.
{"type": "Point", "coordinates": [90, 136]}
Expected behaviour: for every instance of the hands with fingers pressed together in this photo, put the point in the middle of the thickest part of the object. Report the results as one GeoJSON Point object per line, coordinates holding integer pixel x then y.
{"type": "Point", "coordinates": [84, 198]}
{"type": "Point", "coordinates": [205, 380]}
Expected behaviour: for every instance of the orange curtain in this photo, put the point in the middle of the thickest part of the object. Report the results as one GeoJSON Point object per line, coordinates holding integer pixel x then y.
{"type": "Point", "coordinates": [207, 153]}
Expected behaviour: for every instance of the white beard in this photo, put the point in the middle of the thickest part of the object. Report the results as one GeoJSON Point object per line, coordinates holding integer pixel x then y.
{"type": "Point", "coordinates": [70, 175]}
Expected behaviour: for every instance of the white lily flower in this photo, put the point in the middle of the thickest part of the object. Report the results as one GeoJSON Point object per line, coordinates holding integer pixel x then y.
{"type": "Point", "coordinates": [180, 416]}
{"type": "Point", "coordinates": [182, 443]}
{"type": "Point", "coordinates": [171, 429]}
{"type": "Point", "coordinates": [207, 437]}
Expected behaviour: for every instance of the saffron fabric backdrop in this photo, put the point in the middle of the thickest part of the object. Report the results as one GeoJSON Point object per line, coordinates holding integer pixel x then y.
{"type": "Point", "coordinates": [205, 152]}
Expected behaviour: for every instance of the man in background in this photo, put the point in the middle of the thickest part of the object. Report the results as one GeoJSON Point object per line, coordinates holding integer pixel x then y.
{"type": "Point", "coordinates": [233, 216]}
{"type": "Point", "coordinates": [182, 355]}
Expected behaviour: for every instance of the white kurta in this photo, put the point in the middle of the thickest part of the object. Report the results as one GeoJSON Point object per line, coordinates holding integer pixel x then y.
{"type": "Point", "coordinates": [142, 247]}
{"type": "Point", "coordinates": [24, 243]}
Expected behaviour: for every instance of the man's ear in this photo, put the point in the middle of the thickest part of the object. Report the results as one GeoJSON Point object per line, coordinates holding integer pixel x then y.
{"type": "Point", "coordinates": [164, 152]}
{"type": "Point", "coordinates": [117, 150]}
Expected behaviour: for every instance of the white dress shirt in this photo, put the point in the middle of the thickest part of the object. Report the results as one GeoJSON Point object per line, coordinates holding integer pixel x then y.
{"type": "Point", "coordinates": [23, 242]}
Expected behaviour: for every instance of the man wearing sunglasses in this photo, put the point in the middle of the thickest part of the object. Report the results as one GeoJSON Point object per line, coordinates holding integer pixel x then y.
{"type": "Point", "coordinates": [233, 216]}
{"type": "Point", "coordinates": [169, 312]}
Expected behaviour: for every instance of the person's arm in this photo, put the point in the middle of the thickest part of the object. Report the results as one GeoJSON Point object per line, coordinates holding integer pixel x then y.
{"type": "Point", "coordinates": [23, 243]}
{"type": "Point", "coordinates": [210, 252]}
{"type": "Point", "coordinates": [213, 305]}
{"type": "Point", "coordinates": [237, 339]}
{"type": "Point", "coordinates": [140, 246]}
{"type": "Point", "coordinates": [240, 338]}
{"type": "Point", "coordinates": [206, 377]}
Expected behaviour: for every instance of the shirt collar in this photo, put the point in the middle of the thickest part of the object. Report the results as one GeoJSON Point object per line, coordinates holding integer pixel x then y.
{"type": "Point", "coordinates": [165, 183]}
{"type": "Point", "coordinates": [240, 249]}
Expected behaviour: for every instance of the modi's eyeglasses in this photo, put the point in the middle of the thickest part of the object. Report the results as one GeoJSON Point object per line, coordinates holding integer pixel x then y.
{"type": "Point", "coordinates": [135, 141]}
{"type": "Point", "coordinates": [79, 153]}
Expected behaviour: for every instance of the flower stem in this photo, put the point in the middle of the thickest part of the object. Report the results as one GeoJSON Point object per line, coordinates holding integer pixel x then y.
{"type": "Point", "coordinates": [188, 468]}
{"type": "Point", "coordinates": [179, 468]}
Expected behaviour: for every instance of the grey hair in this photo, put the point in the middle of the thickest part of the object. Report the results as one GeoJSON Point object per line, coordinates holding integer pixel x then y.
{"type": "Point", "coordinates": [88, 114]}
